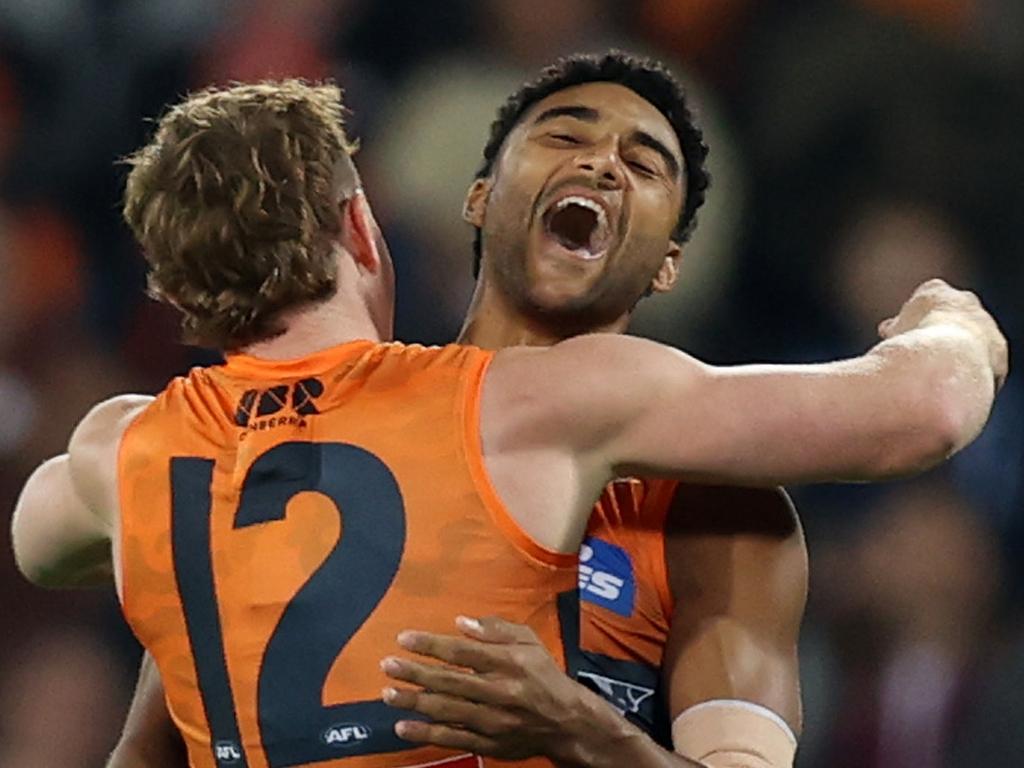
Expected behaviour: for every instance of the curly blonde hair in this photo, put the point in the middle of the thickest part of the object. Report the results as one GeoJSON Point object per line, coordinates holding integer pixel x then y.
{"type": "Point", "coordinates": [235, 203]}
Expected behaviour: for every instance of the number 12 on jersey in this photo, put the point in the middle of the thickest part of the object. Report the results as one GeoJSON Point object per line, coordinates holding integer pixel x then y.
{"type": "Point", "coordinates": [295, 727]}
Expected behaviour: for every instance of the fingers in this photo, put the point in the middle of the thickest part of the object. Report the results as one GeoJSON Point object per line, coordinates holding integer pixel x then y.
{"type": "Point", "coordinates": [437, 706]}
{"type": "Point", "coordinates": [493, 629]}
{"type": "Point", "coordinates": [442, 708]}
{"type": "Point", "coordinates": [434, 678]}
{"type": "Point", "coordinates": [453, 682]}
{"type": "Point", "coordinates": [460, 651]}
{"type": "Point", "coordinates": [885, 327]}
{"type": "Point", "coordinates": [937, 290]}
{"type": "Point", "coordinates": [935, 284]}
{"type": "Point", "coordinates": [445, 736]}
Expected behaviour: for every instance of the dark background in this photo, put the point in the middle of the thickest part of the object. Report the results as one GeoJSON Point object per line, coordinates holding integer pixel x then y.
{"type": "Point", "coordinates": [858, 148]}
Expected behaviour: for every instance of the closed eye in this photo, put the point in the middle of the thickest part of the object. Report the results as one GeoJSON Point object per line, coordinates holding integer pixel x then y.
{"type": "Point", "coordinates": [646, 170]}
{"type": "Point", "coordinates": [565, 138]}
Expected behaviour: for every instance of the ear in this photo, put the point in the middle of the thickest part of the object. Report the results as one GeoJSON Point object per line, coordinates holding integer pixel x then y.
{"type": "Point", "coordinates": [475, 207]}
{"type": "Point", "coordinates": [358, 231]}
{"type": "Point", "coordinates": [668, 274]}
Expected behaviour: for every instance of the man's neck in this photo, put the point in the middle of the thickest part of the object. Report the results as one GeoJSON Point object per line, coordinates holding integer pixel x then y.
{"type": "Point", "coordinates": [493, 322]}
{"type": "Point", "coordinates": [314, 327]}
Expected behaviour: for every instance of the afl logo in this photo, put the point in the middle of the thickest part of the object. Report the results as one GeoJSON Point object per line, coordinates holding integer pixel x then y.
{"type": "Point", "coordinates": [346, 734]}
{"type": "Point", "coordinates": [227, 752]}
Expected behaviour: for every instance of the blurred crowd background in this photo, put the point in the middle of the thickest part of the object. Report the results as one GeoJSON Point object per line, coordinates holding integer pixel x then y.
{"type": "Point", "coordinates": [858, 148]}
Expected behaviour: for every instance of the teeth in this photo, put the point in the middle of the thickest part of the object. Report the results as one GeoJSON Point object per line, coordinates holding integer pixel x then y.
{"type": "Point", "coordinates": [602, 217]}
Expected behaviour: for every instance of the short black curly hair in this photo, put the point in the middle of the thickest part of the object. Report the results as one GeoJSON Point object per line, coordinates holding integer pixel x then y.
{"type": "Point", "coordinates": [647, 78]}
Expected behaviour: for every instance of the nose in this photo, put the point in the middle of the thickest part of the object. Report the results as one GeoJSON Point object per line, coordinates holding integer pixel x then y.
{"type": "Point", "coordinates": [603, 164]}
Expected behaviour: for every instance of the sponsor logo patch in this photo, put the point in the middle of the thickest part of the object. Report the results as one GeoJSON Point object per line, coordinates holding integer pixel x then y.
{"type": "Point", "coordinates": [606, 576]}
{"type": "Point", "coordinates": [625, 697]}
{"type": "Point", "coordinates": [285, 404]}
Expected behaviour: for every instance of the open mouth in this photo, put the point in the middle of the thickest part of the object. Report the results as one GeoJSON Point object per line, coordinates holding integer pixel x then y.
{"type": "Point", "coordinates": [579, 225]}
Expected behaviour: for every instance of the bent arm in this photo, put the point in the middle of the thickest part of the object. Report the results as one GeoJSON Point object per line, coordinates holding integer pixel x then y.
{"type": "Point", "coordinates": [59, 541]}
{"type": "Point", "coordinates": [737, 566]}
{"type": "Point", "coordinates": [150, 737]}
{"type": "Point", "coordinates": [629, 406]}
{"type": "Point", "coordinates": [66, 515]}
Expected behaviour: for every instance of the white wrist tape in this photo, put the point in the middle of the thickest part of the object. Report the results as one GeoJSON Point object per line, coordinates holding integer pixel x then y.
{"type": "Point", "coordinates": [729, 733]}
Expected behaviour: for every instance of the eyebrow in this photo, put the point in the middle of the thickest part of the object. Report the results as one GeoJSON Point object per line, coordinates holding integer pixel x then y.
{"type": "Point", "coordinates": [590, 115]}
{"type": "Point", "coordinates": [645, 139]}
{"type": "Point", "coordinates": [586, 114]}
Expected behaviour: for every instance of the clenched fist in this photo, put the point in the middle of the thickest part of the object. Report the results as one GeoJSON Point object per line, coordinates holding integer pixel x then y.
{"type": "Point", "coordinates": [936, 302]}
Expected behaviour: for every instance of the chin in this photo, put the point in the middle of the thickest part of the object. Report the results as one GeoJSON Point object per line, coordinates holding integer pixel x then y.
{"type": "Point", "coordinates": [569, 314]}
{"type": "Point", "coordinates": [559, 299]}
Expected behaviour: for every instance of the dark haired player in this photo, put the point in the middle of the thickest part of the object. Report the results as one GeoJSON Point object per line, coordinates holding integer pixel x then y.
{"type": "Point", "coordinates": [715, 589]}
{"type": "Point", "coordinates": [535, 448]}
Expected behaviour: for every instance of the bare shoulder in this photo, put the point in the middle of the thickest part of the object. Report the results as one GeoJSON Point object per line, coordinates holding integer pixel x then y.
{"type": "Point", "coordinates": [93, 448]}
{"type": "Point", "coordinates": [587, 384]}
{"type": "Point", "coordinates": [757, 531]}
{"type": "Point", "coordinates": [108, 418]}
{"type": "Point", "coordinates": [591, 353]}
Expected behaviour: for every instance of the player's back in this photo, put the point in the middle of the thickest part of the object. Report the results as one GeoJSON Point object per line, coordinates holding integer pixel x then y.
{"type": "Point", "coordinates": [283, 521]}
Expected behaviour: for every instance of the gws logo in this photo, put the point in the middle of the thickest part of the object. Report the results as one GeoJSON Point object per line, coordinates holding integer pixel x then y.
{"type": "Point", "coordinates": [625, 697]}
{"type": "Point", "coordinates": [346, 734]}
{"type": "Point", "coordinates": [259, 408]}
{"type": "Point", "coordinates": [606, 576]}
{"type": "Point", "coordinates": [227, 752]}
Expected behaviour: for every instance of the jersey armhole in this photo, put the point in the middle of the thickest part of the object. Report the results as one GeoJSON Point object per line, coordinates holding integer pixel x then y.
{"type": "Point", "coordinates": [472, 446]}
{"type": "Point", "coordinates": [117, 539]}
{"type": "Point", "coordinates": [661, 501]}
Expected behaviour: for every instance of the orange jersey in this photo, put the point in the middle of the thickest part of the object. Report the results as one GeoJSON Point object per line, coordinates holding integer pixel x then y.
{"type": "Point", "coordinates": [282, 522]}
{"type": "Point", "coordinates": [625, 603]}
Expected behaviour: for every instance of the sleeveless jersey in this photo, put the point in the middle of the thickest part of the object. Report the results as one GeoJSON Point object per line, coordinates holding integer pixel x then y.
{"type": "Point", "coordinates": [624, 603]}
{"type": "Point", "coordinates": [281, 522]}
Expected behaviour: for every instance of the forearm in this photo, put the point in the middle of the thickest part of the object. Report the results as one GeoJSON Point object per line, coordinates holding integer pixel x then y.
{"type": "Point", "coordinates": [150, 738]}
{"type": "Point", "coordinates": [906, 405]}
{"type": "Point", "coordinates": [133, 755]}
{"type": "Point", "coordinates": [127, 757]}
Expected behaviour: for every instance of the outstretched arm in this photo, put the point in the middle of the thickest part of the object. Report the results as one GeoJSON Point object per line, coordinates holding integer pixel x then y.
{"type": "Point", "coordinates": [622, 405]}
{"type": "Point", "coordinates": [150, 738]}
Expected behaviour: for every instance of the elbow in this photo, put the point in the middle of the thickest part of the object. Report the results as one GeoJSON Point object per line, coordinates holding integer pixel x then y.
{"type": "Point", "coordinates": [33, 571]}
{"type": "Point", "coordinates": [32, 568]}
{"type": "Point", "coordinates": [85, 571]}
{"type": "Point", "coordinates": [44, 567]}
{"type": "Point", "coordinates": [27, 551]}
{"type": "Point", "coordinates": [26, 564]}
